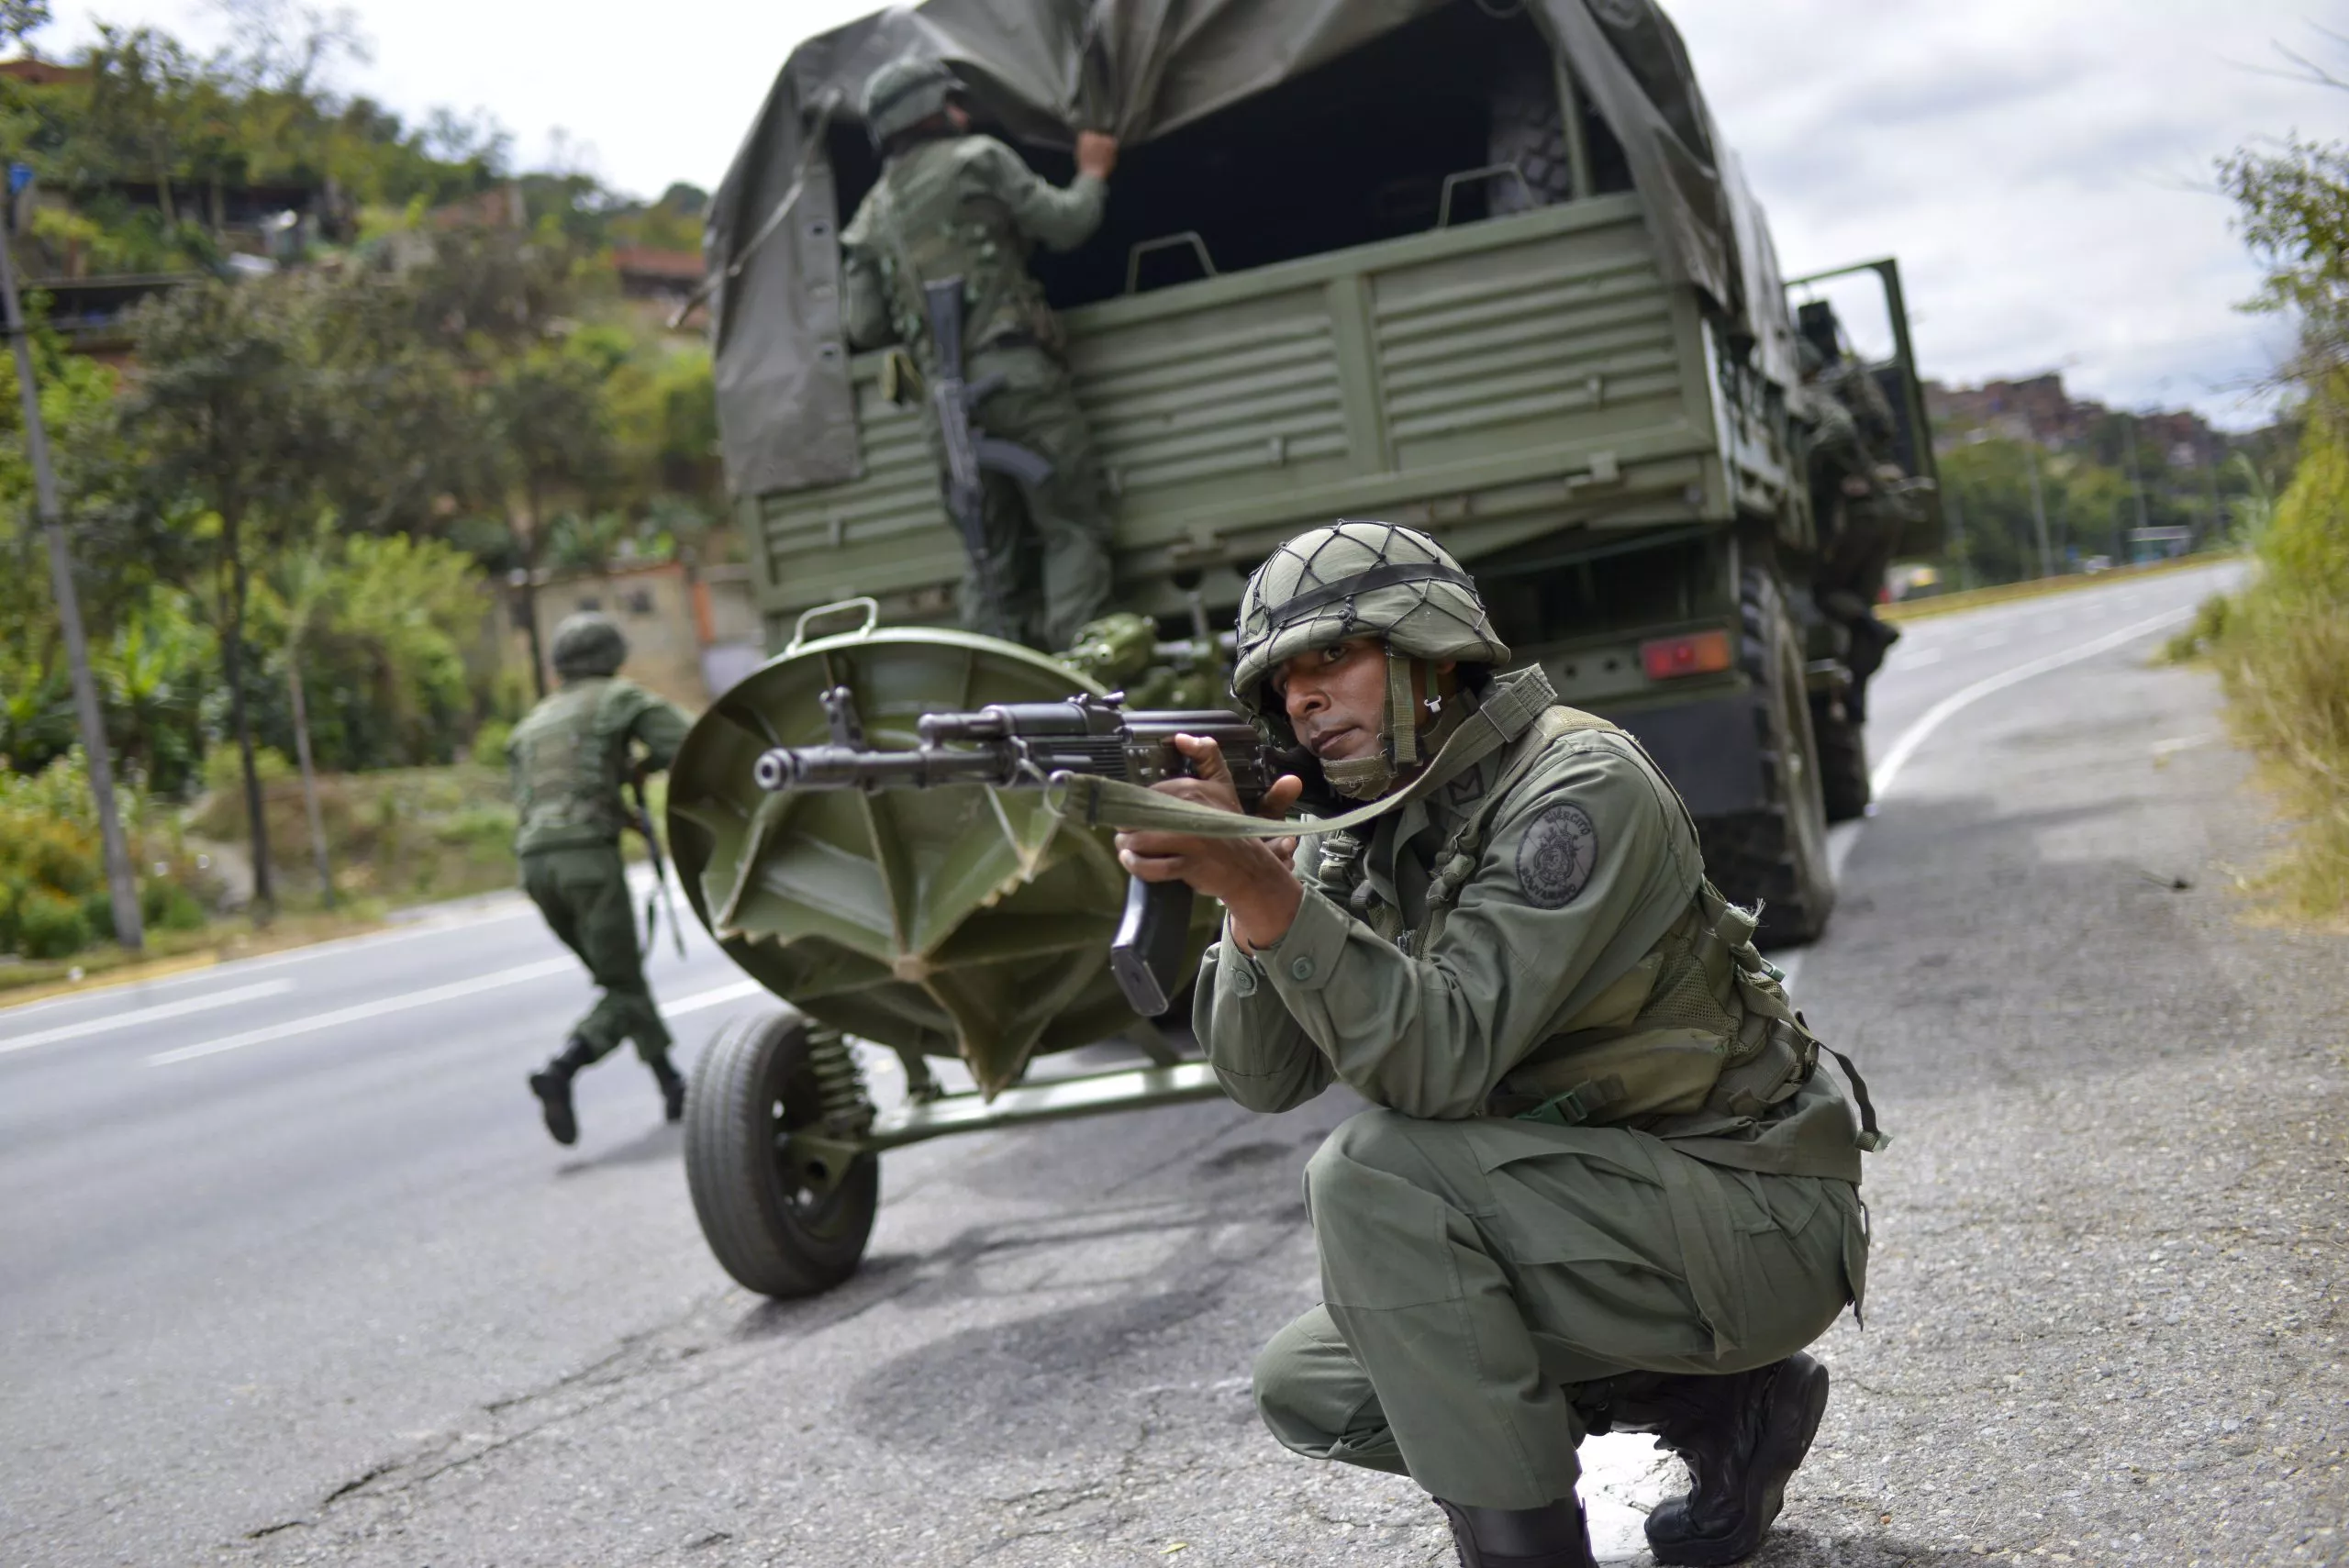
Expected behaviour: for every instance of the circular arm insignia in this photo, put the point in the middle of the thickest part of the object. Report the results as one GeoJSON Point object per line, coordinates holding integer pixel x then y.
{"type": "Point", "coordinates": [1556, 856]}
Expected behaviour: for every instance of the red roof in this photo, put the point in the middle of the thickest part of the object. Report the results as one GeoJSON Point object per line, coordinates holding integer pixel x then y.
{"type": "Point", "coordinates": [643, 261]}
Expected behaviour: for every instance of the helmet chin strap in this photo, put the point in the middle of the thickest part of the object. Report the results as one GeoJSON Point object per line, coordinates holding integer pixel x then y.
{"type": "Point", "coordinates": [1367, 778]}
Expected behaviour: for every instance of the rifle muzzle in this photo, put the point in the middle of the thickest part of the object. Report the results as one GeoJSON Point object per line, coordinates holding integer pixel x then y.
{"type": "Point", "coordinates": [844, 767]}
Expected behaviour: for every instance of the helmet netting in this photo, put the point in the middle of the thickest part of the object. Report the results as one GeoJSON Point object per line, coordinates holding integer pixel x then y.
{"type": "Point", "coordinates": [1357, 579]}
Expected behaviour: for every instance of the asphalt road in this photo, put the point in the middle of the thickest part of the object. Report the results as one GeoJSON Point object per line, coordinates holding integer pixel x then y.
{"type": "Point", "coordinates": [289, 1273]}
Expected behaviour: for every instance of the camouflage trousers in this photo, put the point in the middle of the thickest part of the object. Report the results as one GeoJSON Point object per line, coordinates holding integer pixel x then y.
{"type": "Point", "coordinates": [1046, 572]}
{"type": "Point", "coordinates": [584, 894]}
{"type": "Point", "coordinates": [1478, 1275]}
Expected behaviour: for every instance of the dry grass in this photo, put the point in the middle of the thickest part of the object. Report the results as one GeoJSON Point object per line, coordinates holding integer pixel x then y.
{"type": "Point", "coordinates": [2281, 647]}
{"type": "Point", "coordinates": [2038, 587]}
{"type": "Point", "coordinates": [404, 836]}
{"type": "Point", "coordinates": [173, 952]}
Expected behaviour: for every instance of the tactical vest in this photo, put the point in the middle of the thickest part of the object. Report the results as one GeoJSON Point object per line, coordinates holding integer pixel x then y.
{"type": "Point", "coordinates": [1699, 1027]}
{"type": "Point", "coordinates": [569, 756]}
{"type": "Point", "coordinates": [932, 218]}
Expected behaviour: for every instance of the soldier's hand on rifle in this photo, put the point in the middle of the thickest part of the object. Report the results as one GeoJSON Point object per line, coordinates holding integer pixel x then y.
{"type": "Point", "coordinates": [1096, 153]}
{"type": "Point", "coordinates": [1252, 876]}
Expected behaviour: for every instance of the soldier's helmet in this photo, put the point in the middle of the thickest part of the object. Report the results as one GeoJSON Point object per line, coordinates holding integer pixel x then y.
{"type": "Point", "coordinates": [588, 644]}
{"type": "Point", "coordinates": [903, 93]}
{"type": "Point", "coordinates": [1357, 579]}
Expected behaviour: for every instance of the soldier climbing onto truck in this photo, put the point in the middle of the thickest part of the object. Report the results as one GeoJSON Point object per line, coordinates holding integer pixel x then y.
{"type": "Point", "coordinates": [952, 205]}
{"type": "Point", "coordinates": [1606, 1182]}
{"type": "Point", "coordinates": [1859, 494]}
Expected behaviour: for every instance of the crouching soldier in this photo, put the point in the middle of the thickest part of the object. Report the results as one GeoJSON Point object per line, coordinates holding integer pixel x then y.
{"type": "Point", "coordinates": [571, 757]}
{"type": "Point", "coordinates": [1608, 1184]}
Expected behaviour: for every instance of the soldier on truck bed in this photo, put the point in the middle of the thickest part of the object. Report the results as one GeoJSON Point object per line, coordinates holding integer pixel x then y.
{"type": "Point", "coordinates": [953, 204]}
{"type": "Point", "coordinates": [1606, 1184]}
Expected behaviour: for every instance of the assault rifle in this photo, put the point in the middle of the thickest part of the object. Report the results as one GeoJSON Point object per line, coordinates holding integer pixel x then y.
{"type": "Point", "coordinates": [640, 818]}
{"type": "Point", "coordinates": [1026, 746]}
{"type": "Point", "coordinates": [970, 452]}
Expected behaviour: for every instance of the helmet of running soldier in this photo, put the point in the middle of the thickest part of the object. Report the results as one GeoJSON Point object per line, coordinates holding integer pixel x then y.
{"type": "Point", "coordinates": [903, 93]}
{"type": "Point", "coordinates": [1357, 579]}
{"type": "Point", "coordinates": [588, 643]}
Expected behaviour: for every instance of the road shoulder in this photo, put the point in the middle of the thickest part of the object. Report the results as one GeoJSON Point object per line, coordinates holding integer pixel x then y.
{"type": "Point", "coordinates": [2104, 1318]}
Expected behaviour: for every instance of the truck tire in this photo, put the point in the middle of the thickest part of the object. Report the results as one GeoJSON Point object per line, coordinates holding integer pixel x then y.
{"type": "Point", "coordinates": [1529, 129]}
{"type": "Point", "coordinates": [768, 1228]}
{"type": "Point", "coordinates": [1778, 854]}
{"type": "Point", "coordinates": [1844, 786]}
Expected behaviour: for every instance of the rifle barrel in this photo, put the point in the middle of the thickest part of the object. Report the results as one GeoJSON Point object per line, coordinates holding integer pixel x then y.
{"type": "Point", "coordinates": [844, 767]}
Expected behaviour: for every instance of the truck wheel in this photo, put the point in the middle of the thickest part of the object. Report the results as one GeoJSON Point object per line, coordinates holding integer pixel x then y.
{"type": "Point", "coordinates": [1843, 785]}
{"type": "Point", "coordinates": [770, 1228]}
{"type": "Point", "coordinates": [1778, 855]}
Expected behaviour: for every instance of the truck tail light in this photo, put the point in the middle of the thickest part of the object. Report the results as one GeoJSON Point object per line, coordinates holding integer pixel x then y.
{"type": "Point", "coordinates": [1698, 653]}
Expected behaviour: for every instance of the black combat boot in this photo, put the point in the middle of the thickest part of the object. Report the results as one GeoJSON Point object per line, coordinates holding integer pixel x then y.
{"type": "Point", "coordinates": [1555, 1537]}
{"type": "Point", "coordinates": [1743, 1437]}
{"type": "Point", "coordinates": [673, 1086]}
{"type": "Point", "coordinates": [552, 1084]}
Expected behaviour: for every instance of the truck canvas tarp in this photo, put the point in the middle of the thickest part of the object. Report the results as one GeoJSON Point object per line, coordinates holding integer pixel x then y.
{"type": "Point", "coordinates": [1145, 70]}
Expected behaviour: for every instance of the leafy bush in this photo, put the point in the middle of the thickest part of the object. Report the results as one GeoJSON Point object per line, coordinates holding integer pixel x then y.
{"type": "Point", "coordinates": [50, 925]}
{"type": "Point", "coordinates": [53, 897]}
{"type": "Point", "coordinates": [489, 742]}
{"type": "Point", "coordinates": [167, 905]}
{"type": "Point", "coordinates": [224, 772]}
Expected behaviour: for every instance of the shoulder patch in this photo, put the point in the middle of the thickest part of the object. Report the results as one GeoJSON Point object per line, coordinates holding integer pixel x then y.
{"type": "Point", "coordinates": [1556, 856]}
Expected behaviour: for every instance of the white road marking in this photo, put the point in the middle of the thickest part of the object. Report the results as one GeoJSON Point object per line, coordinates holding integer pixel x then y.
{"type": "Point", "coordinates": [1880, 781]}
{"type": "Point", "coordinates": [147, 1015]}
{"type": "Point", "coordinates": [718, 997]}
{"type": "Point", "coordinates": [238, 966]}
{"type": "Point", "coordinates": [366, 1010]}
{"type": "Point", "coordinates": [1844, 835]}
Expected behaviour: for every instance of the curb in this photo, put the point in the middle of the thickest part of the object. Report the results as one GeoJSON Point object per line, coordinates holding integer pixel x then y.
{"type": "Point", "coordinates": [1904, 610]}
{"type": "Point", "coordinates": [109, 980]}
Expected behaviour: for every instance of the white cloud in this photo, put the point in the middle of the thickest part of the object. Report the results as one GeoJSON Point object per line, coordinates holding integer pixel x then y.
{"type": "Point", "coordinates": [2041, 167]}
{"type": "Point", "coordinates": [2044, 172]}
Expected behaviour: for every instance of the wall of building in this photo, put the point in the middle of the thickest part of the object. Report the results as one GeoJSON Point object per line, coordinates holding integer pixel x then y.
{"type": "Point", "coordinates": [690, 634]}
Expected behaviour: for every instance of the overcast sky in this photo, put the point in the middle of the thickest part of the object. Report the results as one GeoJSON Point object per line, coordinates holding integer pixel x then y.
{"type": "Point", "coordinates": [2041, 167]}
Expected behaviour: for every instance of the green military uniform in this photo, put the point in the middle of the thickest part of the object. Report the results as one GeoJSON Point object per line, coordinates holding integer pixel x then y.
{"type": "Point", "coordinates": [569, 757]}
{"type": "Point", "coordinates": [966, 205]}
{"type": "Point", "coordinates": [1532, 938]}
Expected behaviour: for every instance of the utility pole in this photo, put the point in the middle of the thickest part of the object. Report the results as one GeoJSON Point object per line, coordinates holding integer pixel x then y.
{"type": "Point", "coordinates": [2039, 513]}
{"type": "Point", "coordinates": [2136, 475]}
{"type": "Point", "coordinates": [121, 881]}
{"type": "Point", "coordinates": [1957, 550]}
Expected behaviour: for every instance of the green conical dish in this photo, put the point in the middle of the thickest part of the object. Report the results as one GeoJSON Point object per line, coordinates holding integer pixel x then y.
{"type": "Point", "coordinates": [966, 922]}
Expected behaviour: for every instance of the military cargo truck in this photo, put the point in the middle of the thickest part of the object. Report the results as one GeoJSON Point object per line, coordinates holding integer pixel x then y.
{"type": "Point", "coordinates": [1481, 266]}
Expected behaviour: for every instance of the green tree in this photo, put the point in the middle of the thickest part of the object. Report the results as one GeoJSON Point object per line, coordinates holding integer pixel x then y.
{"type": "Point", "coordinates": [2295, 217]}
{"type": "Point", "coordinates": [552, 423]}
{"type": "Point", "coordinates": [228, 413]}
